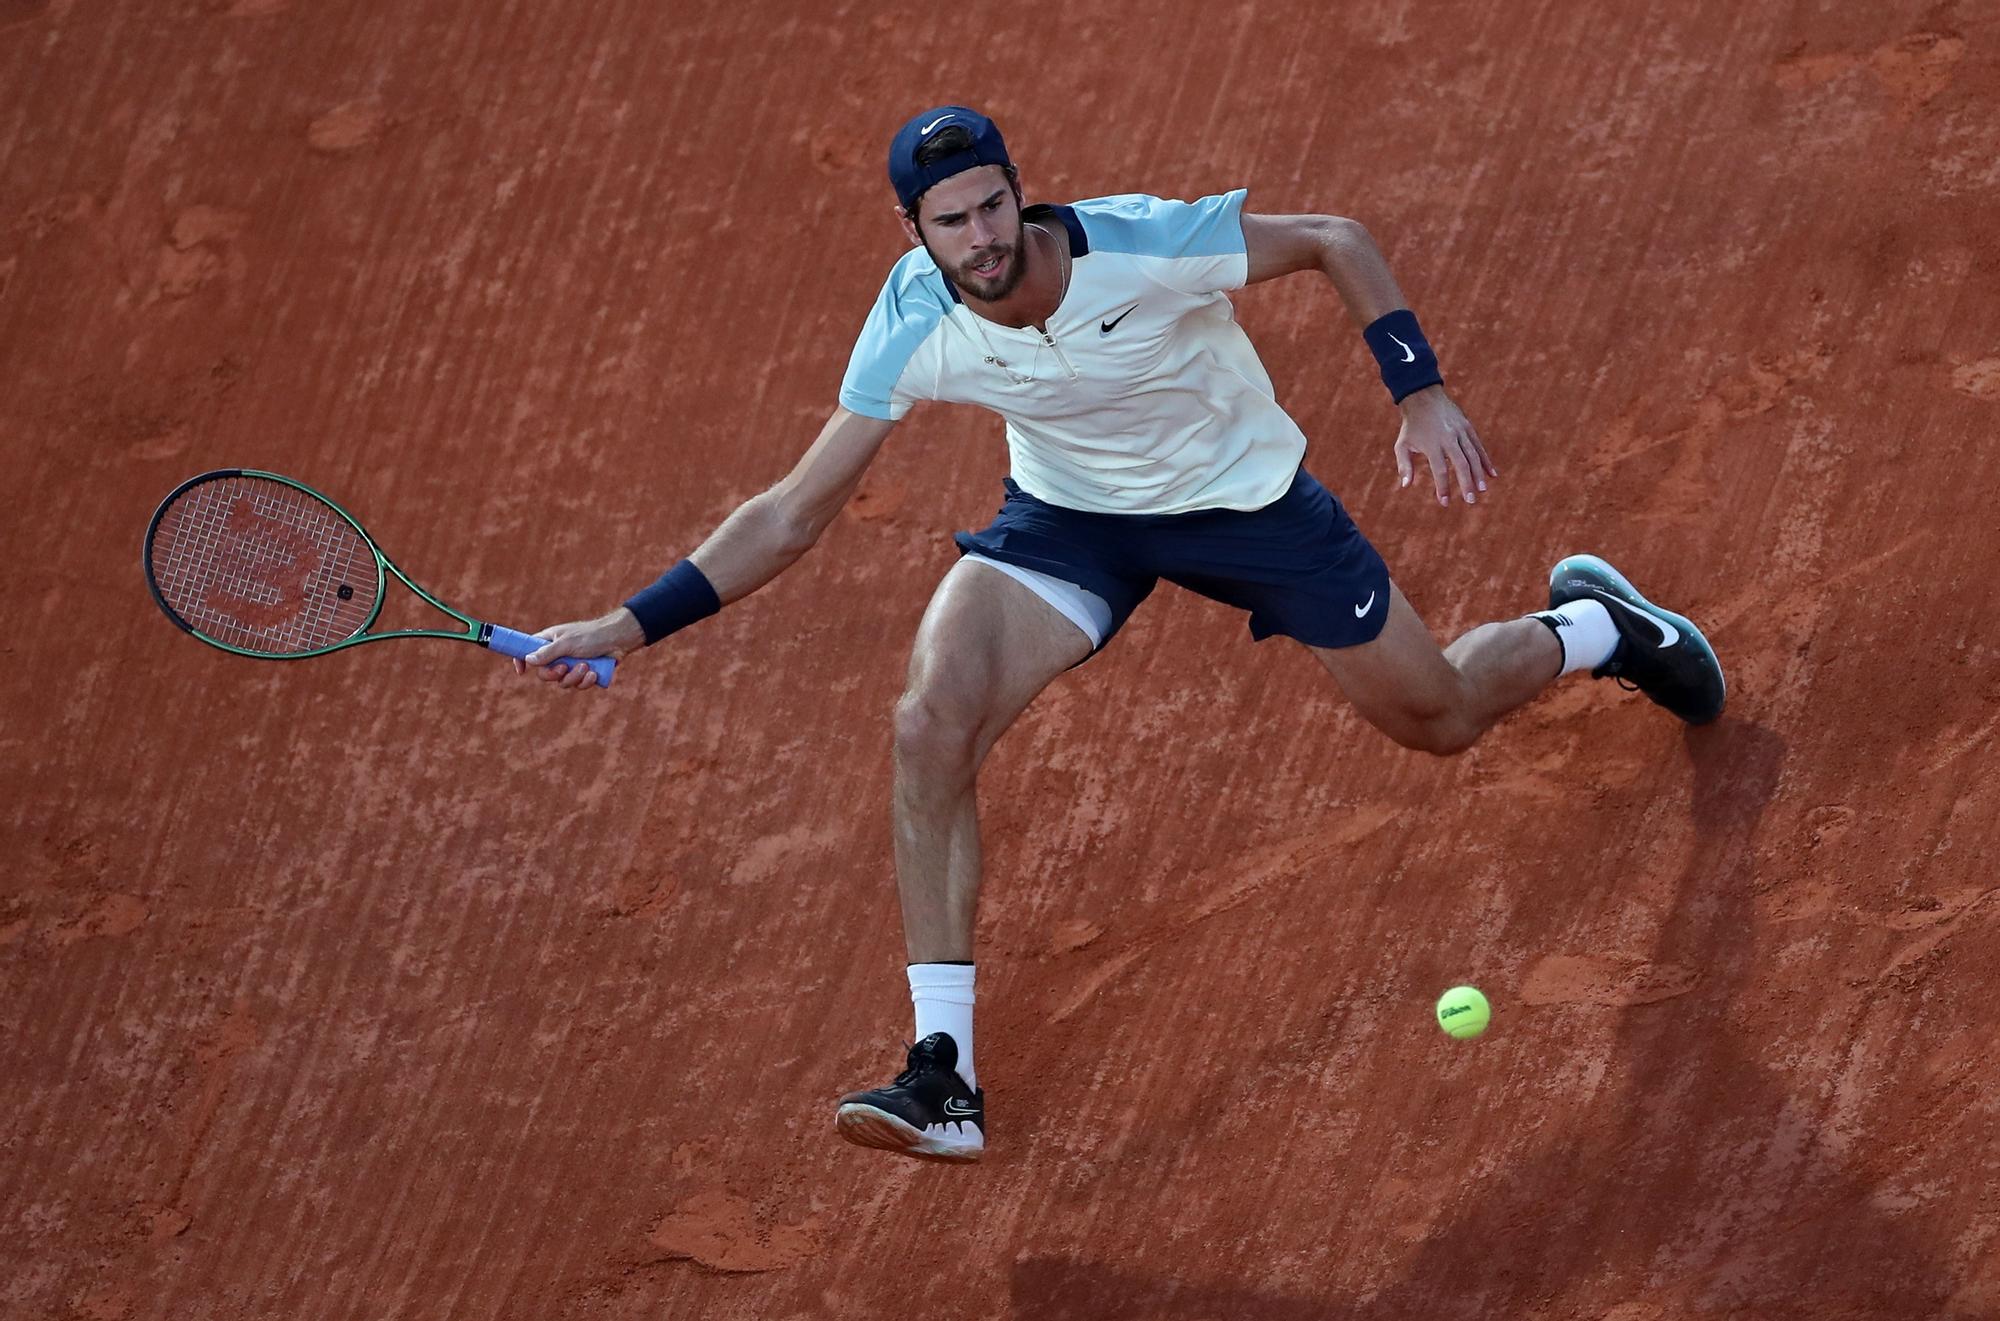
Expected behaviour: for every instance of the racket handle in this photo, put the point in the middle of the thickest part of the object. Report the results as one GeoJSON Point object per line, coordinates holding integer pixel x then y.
{"type": "Point", "coordinates": [521, 645]}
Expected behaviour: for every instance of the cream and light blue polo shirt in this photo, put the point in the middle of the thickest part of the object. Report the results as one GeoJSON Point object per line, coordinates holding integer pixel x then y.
{"type": "Point", "coordinates": [1144, 397]}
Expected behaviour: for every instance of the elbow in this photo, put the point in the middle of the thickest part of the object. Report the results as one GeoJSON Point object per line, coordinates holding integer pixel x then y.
{"type": "Point", "coordinates": [791, 531]}
{"type": "Point", "coordinates": [1341, 235]}
{"type": "Point", "coordinates": [795, 539]}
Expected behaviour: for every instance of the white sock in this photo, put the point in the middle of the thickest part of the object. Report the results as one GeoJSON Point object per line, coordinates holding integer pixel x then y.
{"type": "Point", "coordinates": [942, 993]}
{"type": "Point", "coordinates": [1586, 632]}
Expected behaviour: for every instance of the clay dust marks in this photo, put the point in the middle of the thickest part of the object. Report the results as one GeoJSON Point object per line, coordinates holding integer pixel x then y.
{"type": "Point", "coordinates": [641, 892]}
{"type": "Point", "coordinates": [158, 1219]}
{"type": "Point", "coordinates": [1280, 863]}
{"type": "Point", "coordinates": [65, 213]}
{"type": "Point", "coordinates": [160, 1223]}
{"type": "Point", "coordinates": [204, 1084]}
{"type": "Point", "coordinates": [1604, 979]}
{"type": "Point", "coordinates": [200, 248]}
{"type": "Point", "coordinates": [834, 154]}
{"type": "Point", "coordinates": [216, 1056]}
{"type": "Point", "coordinates": [722, 1232]}
{"type": "Point", "coordinates": [349, 128]}
{"type": "Point", "coordinates": [112, 1302]}
{"type": "Point", "coordinates": [1953, 746]}
{"type": "Point", "coordinates": [1634, 1312]}
{"type": "Point", "coordinates": [153, 419]}
{"type": "Point", "coordinates": [1760, 385]}
{"type": "Point", "coordinates": [1937, 920]}
{"type": "Point", "coordinates": [198, 225]}
{"type": "Point", "coordinates": [1072, 934]}
{"type": "Point", "coordinates": [1911, 71]}
{"type": "Point", "coordinates": [1979, 379]}
{"type": "Point", "coordinates": [109, 915]}
{"type": "Point", "coordinates": [1680, 448]}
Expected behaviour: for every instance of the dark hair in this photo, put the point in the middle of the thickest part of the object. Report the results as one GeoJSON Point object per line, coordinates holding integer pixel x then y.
{"type": "Point", "coordinates": [945, 142]}
{"type": "Point", "coordinates": [949, 142]}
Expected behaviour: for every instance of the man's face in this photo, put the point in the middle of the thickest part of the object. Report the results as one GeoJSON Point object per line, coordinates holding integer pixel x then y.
{"type": "Point", "coordinates": [971, 225]}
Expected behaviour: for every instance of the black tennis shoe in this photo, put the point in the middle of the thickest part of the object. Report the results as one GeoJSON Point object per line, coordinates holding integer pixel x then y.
{"type": "Point", "coordinates": [928, 1111]}
{"type": "Point", "coordinates": [1660, 653]}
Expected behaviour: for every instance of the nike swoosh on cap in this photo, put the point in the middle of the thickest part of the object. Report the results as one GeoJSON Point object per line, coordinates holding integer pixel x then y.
{"type": "Point", "coordinates": [933, 124]}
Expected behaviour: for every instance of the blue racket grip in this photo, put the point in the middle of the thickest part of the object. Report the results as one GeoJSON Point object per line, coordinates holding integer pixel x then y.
{"type": "Point", "coordinates": [521, 645]}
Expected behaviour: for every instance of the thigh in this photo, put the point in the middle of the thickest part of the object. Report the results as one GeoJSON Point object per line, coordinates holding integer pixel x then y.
{"type": "Point", "coordinates": [1399, 680]}
{"type": "Point", "coordinates": [1299, 566]}
{"type": "Point", "coordinates": [1090, 551]}
{"type": "Point", "coordinates": [987, 645]}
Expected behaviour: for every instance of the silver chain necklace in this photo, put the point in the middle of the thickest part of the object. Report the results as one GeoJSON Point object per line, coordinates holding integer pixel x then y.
{"type": "Point", "coordinates": [1062, 292]}
{"type": "Point", "coordinates": [1063, 248]}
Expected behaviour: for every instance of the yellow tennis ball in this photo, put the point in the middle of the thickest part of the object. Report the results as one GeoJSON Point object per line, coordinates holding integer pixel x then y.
{"type": "Point", "coordinates": [1463, 1012]}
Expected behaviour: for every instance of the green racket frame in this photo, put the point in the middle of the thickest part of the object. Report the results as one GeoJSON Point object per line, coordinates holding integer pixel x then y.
{"type": "Point", "coordinates": [506, 641]}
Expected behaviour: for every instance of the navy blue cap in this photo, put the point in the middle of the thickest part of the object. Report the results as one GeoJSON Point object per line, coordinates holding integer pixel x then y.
{"type": "Point", "coordinates": [912, 180]}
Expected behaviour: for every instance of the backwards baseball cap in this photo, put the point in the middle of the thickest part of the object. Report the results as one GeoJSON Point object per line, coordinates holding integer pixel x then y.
{"type": "Point", "coordinates": [912, 180]}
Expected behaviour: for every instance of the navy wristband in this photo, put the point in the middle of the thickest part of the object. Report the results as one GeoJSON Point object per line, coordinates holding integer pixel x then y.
{"type": "Point", "coordinates": [1407, 363]}
{"type": "Point", "coordinates": [682, 596]}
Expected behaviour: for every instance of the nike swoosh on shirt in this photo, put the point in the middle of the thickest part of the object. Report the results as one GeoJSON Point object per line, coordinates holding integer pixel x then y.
{"type": "Point", "coordinates": [1106, 327]}
{"type": "Point", "coordinates": [933, 124]}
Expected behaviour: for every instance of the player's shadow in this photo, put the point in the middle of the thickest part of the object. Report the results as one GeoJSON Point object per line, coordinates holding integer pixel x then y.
{"type": "Point", "coordinates": [1698, 1187]}
{"type": "Point", "coordinates": [1061, 1289]}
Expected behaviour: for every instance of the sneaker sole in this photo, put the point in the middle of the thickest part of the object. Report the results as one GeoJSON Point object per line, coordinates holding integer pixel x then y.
{"type": "Point", "coordinates": [1610, 580]}
{"type": "Point", "coordinates": [866, 1126]}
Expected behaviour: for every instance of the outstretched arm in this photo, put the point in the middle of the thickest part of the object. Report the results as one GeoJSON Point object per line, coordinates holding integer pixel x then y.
{"type": "Point", "coordinates": [770, 531]}
{"type": "Point", "coordinates": [766, 535]}
{"type": "Point", "coordinates": [1346, 254]}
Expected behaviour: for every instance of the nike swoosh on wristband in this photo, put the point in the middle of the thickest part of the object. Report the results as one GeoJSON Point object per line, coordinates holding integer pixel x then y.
{"type": "Point", "coordinates": [1361, 611]}
{"type": "Point", "coordinates": [1409, 354]}
{"type": "Point", "coordinates": [1669, 635]}
{"type": "Point", "coordinates": [933, 124]}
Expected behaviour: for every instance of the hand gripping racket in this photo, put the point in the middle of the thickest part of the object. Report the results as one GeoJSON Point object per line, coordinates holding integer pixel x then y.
{"type": "Point", "coordinates": [261, 565]}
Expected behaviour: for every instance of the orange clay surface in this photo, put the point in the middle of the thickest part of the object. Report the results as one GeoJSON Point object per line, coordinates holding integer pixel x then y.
{"type": "Point", "coordinates": [389, 986]}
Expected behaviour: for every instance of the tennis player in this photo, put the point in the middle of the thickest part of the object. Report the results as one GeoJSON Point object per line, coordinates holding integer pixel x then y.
{"type": "Point", "coordinates": [1145, 443]}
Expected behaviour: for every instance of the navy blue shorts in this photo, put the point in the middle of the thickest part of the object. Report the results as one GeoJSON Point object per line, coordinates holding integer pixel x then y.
{"type": "Point", "coordinates": [1298, 565]}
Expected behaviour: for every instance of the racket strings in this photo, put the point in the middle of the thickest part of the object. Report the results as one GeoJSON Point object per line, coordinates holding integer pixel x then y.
{"type": "Point", "coordinates": [263, 566]}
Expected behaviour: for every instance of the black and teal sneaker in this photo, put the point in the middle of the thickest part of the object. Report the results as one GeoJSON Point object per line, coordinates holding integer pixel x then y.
{"type": "Point", "coordinates": [1660, 653]}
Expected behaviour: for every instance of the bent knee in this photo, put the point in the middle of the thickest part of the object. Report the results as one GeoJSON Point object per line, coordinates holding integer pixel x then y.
{"type": "Point", "coordinates": [1439, 731]}
{"type": "Point", "coordinates": [934, 731]}
{"type": "Point", "coordinates": [1444, 738]}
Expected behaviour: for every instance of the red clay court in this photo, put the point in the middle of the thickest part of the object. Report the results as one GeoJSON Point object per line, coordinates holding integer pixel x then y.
{"type": "Point", "coordinates": [389, 986]}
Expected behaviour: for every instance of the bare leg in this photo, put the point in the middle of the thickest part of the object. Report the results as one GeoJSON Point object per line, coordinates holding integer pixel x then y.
{"type": "Point", "coordinates": [1442, 701]}
{"type": "Point", "coordinates": [986, 647]}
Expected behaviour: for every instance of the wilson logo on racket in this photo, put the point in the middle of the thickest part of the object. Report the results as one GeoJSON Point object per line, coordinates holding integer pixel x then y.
{"type": "Point", "coordinates": [265, 566]}
{"type": "Point", "coordinates": [260, 569]}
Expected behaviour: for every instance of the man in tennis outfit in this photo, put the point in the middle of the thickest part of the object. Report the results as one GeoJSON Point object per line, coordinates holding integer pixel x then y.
{"type": "Point", "coordinates": [1146, 443]}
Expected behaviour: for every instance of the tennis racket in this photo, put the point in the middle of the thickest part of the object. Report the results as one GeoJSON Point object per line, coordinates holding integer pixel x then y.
{"type": "Point", "coordinates": [260, 565]}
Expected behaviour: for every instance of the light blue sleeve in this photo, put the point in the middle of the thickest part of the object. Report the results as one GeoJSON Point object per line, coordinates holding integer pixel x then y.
{"type": "Point", "coordinates": [909, 310]}
{"type": "Point", "coordinates": [1197, 246]}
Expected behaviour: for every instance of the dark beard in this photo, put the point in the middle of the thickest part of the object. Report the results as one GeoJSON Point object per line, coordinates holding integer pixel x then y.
{"type": "Point", "coordinates": [989, 291]}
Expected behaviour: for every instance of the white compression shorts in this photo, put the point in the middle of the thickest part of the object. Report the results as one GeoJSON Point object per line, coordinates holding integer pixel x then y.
{"type": "Point", "coordinates": [1085, 609]}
